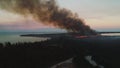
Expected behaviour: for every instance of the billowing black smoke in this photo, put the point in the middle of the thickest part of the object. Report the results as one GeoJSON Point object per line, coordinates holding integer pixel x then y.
{"type": "Point", "coordinates": [48, 12]}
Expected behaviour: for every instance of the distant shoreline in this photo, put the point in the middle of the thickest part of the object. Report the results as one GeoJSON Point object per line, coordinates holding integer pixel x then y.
{"type": "Point", "coordinates": [54, 35]}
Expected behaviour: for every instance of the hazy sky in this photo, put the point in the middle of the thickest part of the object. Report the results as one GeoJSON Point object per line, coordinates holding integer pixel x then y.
{"type": "Point", "coordinates": [99, 14]}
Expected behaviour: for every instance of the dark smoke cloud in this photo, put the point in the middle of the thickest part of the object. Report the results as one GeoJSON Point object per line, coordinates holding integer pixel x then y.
{"type": "Point", "coordinates": [48, 12]}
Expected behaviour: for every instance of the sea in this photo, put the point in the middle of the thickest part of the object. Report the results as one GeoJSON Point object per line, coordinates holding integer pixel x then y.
{"type": "Point", "coordinates": [14, 37]}
{"type": "Point", "coordinates": [110, 34]}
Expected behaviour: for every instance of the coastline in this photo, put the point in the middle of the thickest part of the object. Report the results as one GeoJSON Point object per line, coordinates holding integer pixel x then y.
{"type": "Point", "coordinates": [104, 50]}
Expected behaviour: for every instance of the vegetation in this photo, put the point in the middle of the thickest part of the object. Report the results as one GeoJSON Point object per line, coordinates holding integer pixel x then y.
{"type": "Point", "coordinates": [48, 53]}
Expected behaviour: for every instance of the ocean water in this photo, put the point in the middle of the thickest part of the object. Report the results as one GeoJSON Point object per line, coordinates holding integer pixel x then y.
{"type": "Point", "coordinates": [15, 37]}
{"type": "Point", "coordinates": [111, 34]}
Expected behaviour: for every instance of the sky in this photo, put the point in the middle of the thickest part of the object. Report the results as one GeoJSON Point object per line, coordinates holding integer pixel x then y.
{"type": "Point", "coordinates": [100, 15]}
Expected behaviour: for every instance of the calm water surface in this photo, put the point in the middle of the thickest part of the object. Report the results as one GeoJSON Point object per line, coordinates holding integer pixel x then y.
{"type": "Point", "coordinates": [111, 34]}
{"type": "Point", "coordinates": [15, 37]}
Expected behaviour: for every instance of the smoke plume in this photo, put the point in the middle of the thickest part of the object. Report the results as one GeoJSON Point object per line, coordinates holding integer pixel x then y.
{"type": "Point", "coordinates": [48, 12]}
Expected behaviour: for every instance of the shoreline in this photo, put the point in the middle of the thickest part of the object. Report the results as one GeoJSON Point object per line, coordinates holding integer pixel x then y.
{"type": "Point", "coordinates": [69, 35]}
{"type": "Point", "coordinates": [104, 50]}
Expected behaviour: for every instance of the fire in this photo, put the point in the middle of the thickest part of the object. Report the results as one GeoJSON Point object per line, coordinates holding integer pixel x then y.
{"type": "Point", "coordinates": [81, 36]}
